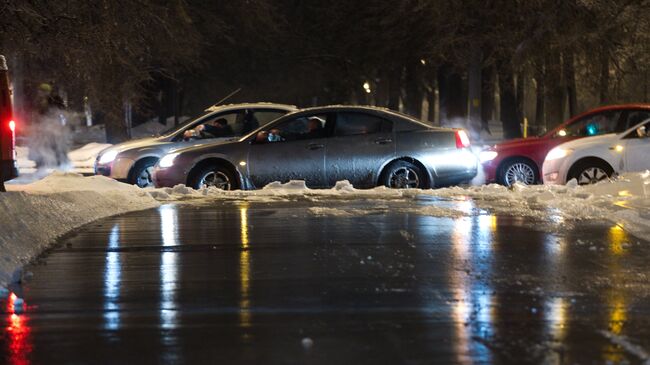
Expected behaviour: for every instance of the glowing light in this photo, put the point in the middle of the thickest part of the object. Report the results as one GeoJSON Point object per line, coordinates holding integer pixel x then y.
{"type": "Point", "coordinates": [485, 156]}
{"type": "Point", "coordinates": [112, 281]}
{"type": "Point", "coordinates": [244, 269]}
{"type": "Point", "coordinates": [618, 148]}
{"type": "Point", "coordinates": [562, 133]}
{"type": "Point", "coordinates": [168, 266]}
{"type": "Point", "coordinates": [556, 317]}
{"type": "Point", "coordinates": [617, 238]}
{"type": "Point", "coordinates": [592, 130]}
{"type": "Point", "coordinates": [624, 193]}
{"type": "Point", "coordinates": [12, 125]}
{"type": "Point", "coordinates": [557, 153]}
{"type": "Point", "coordinates": [366, 86]}
{"type": "Point", "coordinates": [242, 163]}
{"type": "Point", "coordinates": [18, 331]}
{"type": "Point", "coordinates": [424, 62]}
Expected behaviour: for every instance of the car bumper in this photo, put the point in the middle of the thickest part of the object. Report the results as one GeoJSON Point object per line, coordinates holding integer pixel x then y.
{"type": "Point", "coordinates": [552, 172]}
{"type": "Point", "coordinates": [169, 177]}
{"type": "Point", "coordinates": [118, 169]}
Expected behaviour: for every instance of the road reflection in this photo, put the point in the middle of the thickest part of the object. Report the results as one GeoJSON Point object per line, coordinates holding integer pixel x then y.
{"type": "Point", "coordinates": [473, 304]}
{"type": "Point", "coordinates": [112, 281]}
{"type": "Point", "coordinates": [244, 269]}
{"type": "Point", "coordinates": [19, 344]}
{"type": "Point", "coordinates": [168, 266]}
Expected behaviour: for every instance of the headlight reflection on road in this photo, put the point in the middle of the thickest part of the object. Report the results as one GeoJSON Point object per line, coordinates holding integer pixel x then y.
{"type": "Point", "coordinates": [168, 266]}
{"type": "Point", "coordinates": [112, 281]}
{"type": "Point", "coordinates": [617, 239]}
{"type": "Point", "coordinates": [244, 269]}
{"type": "Point", "coordinates": [473, 305]}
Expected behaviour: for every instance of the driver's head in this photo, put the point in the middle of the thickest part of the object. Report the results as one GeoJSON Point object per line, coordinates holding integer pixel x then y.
{"type": "Point", "coordinates": [220, 123]}
{"type": "Point", "coordinates": [314, 124]}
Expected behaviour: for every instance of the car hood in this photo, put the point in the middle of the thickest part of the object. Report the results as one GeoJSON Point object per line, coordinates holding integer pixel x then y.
{"type": "Point", "coordinates": [137, 143]}
{"type": "Point", "coordinates": [605, 139]}
{"type": "Point", "coordinates": [208, 147]}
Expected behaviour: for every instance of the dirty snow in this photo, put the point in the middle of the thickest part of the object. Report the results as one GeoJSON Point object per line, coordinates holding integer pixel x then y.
{"type": "Point", "coordinates": [35, 215]}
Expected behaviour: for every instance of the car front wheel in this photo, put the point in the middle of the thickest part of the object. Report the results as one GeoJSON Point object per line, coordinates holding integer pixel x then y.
{"type": "Point", "coordinates": [215, 176]}
{"type": "Point", "coordinates": [590, 172]}
{"type": "Point", "coordinates": [142, 174]}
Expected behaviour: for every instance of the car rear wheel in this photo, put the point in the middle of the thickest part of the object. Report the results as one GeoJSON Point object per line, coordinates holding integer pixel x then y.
{"type": "Point", "coordinates": [142, 174]}
{"type": "Point", "coordinates": [518, 170]}
{"type": "Point", "coordinates": [590, 172]}
{"type": "Point", "coordinates": [403, 175]}
{"type": "Point", "coordinates": [216, 177]}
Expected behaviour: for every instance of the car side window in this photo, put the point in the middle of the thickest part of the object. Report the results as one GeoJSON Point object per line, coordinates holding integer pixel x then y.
{"type": "Point", "coordinates": [641, 132]}
{"type": "Point", "coordinates": [595, 124]}
{"type": "Point", "coordinates": [350, 124]}
{"type": "Point", "coordinates": [636, 116]}
{"type": "Point", "coordinates": [304, 127]}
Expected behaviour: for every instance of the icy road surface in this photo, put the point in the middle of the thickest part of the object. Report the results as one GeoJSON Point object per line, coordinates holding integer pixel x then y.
{"type": "Point", "coordinates": [305, 280]}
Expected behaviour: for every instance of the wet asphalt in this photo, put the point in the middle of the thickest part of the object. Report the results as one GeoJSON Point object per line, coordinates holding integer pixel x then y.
{"type": "Point", "coordinates": [274, 283]}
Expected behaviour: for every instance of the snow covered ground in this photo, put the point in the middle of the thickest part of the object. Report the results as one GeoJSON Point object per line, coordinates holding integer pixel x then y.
{"type": "Point", "coordinates": [34, 215]}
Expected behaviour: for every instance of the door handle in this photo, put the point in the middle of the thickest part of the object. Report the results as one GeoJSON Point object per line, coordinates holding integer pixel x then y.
{"type": "Point", "coordinates": [383, 141]}
{"type": "Point", "coordinates": [315, 146]}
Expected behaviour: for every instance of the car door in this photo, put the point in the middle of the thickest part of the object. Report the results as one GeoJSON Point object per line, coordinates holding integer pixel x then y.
{"type": "Point", "coordinates": [360, 144]}
{"type": "Point", "coordinates": [637, 150]}
{"type": "Point", "coordinates": [297, 154]}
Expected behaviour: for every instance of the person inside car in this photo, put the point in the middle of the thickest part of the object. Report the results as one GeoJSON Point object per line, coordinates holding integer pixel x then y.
{"type": "Point", "coordinates": [213, 129]}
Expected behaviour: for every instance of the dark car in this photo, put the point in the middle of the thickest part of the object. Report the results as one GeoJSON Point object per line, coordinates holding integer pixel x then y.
{"type": "Point", "coordinates": [520, 160]}
{"type": "Point", "coordinates": [8, 168]}
{"type": "Point", "coordinates": [364, 145]}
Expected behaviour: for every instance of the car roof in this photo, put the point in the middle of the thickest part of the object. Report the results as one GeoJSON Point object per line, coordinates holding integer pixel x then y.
{"type": "Point", "coordinates": [258, 105]}
{"type": "Point", "coordinates": [601, 109]}
{"type": "Point", "coordinates": [360, 108]}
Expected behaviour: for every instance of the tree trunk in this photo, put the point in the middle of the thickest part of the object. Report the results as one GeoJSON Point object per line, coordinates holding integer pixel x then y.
{"type": "Point", "coordinates": [413, 99]}
{"type": "Point", "coordinates": [570, 80]}
{"type": "Point", "coordinates": [604, 76]}
{"type": "Point", "coordinates": [474, 93]}
{"type": "Point", "coordinates": [511, 128]}
{"type": "Point", "coordinates": [115, 126]}
{"type": "Point", "coordinates": [443, 93]}
{"type": "Point", "coordinates": [556, 92]}
{"type": "Point", "coordinates": [394, 88]}
{"type": "Point", "coordinates": [520, 96]}
{"type": "Point", "coordinates": [540, 95]}
{"type": "Point", "coordinates": [487, 97]}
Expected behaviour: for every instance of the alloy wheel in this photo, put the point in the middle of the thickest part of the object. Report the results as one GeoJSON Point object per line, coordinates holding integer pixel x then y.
{"type": "Point", "coordinates": [216, 179]}
{"type": "Point", "coordinates": [519, 172]}
{"type": "Point", "coordinates": [404, 178]}
{"type": "Point", "coordinates": [592, 175]}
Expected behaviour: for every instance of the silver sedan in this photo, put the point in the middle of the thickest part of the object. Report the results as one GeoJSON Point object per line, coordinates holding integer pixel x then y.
{"type": "Point", "coordinates": [364, 145]}
{"type": "Point", "coordinates": [133, 161]}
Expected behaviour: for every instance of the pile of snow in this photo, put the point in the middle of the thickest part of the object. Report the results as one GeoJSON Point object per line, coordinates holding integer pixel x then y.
{"type": "Point", "coordinates": [35, 215]}
{"type": "Point", "coordinates": [624, 201]}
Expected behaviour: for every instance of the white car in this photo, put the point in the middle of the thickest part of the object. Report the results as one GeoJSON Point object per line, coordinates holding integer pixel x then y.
{"type": "Point", "coordinates": [589, 160]}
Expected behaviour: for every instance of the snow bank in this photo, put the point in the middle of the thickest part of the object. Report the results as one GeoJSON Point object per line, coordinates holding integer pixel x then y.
{"type": "Point", "coordinates": [624, 201]}
{"type": "Point", "coordinates": [35, 215]}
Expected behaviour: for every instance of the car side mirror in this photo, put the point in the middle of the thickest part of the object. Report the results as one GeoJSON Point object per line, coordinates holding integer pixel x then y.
{"type": "Point", "coordinates": [642, 132]}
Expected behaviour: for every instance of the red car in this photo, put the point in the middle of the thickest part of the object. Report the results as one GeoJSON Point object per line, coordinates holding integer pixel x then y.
{"type": "Point", "coordinates": [8, 169]}
{"type": "Point", "coordinates": [521, 159]}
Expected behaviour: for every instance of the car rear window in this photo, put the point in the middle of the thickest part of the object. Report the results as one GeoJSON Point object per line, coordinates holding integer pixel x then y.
{"type": "Point", "coordinates": [350, 124]}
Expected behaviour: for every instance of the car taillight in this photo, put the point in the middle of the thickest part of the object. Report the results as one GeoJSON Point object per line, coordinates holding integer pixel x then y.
{"type": "Point", "coordinates": [462, 140]}
{"type": "Point", "coordinates": [12, 126]}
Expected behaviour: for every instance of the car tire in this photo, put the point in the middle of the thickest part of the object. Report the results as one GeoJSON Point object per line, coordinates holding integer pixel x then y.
{"type": "Point", "coordinates": [590, 171]}
{"type": "Point", "coordinates": [518, 170]}
{"type": "Point", "coordinates": [216, 176]}
{"type": "Point", "coordinates": [142, 174]}
{"type": "Point", "coordinates": [403, 175]}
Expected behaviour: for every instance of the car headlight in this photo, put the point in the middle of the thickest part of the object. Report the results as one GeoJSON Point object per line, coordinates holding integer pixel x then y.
{"type": "Point", "coordinates": [486, 156]}
{"type": "Point", "coordinates": [558, 153]}
{"type": "Point", "coordinates": [108, 156]}
{"type": "Point", "coordinates": [168, 160]}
